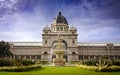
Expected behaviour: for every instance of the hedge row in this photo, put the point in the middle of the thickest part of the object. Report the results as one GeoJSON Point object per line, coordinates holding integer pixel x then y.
{"type": "Point", "coordinates": [100, 69]}
{"type": "Point", "coordinates": [19, 69]}
{"type": "Point", "coordinates": [13, 62]}
{"type": "Point", "coordinates": [94, 68]}
{"type": "Point", "coordinates": [109, 69]}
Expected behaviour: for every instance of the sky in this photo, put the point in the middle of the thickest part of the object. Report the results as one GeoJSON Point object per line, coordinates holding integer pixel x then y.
{"type": "Point", "coordinates": [96, 20]}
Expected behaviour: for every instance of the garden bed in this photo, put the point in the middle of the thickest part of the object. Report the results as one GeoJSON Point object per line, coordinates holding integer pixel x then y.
{"type": "Point", "coordinates": [100, 69]}
{"type": "Point", "coordinates": [20, 68]}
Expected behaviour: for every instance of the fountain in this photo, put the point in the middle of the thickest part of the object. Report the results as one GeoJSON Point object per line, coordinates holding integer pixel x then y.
{"type": "Point", "coordinates": [59, 52]}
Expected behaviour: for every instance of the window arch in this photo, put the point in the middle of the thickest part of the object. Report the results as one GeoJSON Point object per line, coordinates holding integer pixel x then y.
{"type": "Point", "coordinates": [46, 41]}
{"type": "Point", "coordinates": [73, 41]}
{"type": "Point", "coordinates": [73, 53]}
{"type": "Point", "coordinates": [45, 53]}
{"type": "Point", "coordinates": [62, 41]}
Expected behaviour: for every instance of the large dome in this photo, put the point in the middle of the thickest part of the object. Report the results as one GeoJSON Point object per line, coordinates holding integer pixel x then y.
{"type": "Point", "coordinates": [60, 19]}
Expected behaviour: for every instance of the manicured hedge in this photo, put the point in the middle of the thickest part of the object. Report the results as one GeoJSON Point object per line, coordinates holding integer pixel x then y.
{"type": "Point", "coordinates": [19, 69]}
{"type": "Point", "coordinates": [94, 68]}
{"type": "Point", "coordinates": [13, 62]}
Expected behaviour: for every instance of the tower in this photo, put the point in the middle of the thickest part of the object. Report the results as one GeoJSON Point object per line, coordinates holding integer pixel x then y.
{"type": "Point", "coordinates": [68, 34]}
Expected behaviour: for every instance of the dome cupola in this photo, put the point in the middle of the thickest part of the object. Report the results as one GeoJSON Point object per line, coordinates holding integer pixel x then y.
{"type": "Point", "coordinates": [60, 19]}
{"type": "Point", "coordinates": [59, 24]}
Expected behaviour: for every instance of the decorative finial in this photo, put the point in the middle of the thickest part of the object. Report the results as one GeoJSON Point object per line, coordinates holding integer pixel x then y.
{"type": "Point", "coordinates": [60, 8]}
{"type": "Point", "coordinates": [59, 13]}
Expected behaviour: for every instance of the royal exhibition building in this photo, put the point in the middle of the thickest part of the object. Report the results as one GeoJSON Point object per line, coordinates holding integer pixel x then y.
{"type": "Point", "coordinates": [67, 35]}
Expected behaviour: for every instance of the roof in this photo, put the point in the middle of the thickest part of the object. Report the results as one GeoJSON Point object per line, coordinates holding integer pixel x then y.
{"type": "Point", "coordinates": [26, 43]}
{"type": "Point", "coordinates": [60, 19]}
{"type": "Point", "coordinates": [46, 28]}
{"type": "Point", "coordinates": [72, 28]}
{"type": "Point", "coordinates": [98, 44]}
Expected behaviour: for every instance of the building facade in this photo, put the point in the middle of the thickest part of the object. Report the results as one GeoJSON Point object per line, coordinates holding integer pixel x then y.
{"type": "Point", "coordinates": [75, 50]}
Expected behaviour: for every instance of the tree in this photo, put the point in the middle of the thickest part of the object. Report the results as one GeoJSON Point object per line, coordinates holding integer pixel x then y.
{"type": "Point", "coordinates": [5, 49]}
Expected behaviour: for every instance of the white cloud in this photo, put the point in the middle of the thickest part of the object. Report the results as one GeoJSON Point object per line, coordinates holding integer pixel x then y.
{"type": "Point", "coordinates": [91, 23]}
{"type": "Point", "coordinates": [24, 27]}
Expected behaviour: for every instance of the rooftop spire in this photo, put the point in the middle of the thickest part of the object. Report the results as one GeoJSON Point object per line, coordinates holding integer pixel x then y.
{"type": "Point", "coordinates": [60, 7]}
{"type": "Point", "coordinates": [59, 13]}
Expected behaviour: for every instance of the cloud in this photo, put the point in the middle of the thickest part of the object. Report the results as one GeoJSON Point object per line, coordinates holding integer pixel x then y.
{"type": "Point", "coordinates": [98, 30]}
{"type": "Point", "coordinates": [23, 26]}
{"type": "Point", "coordinates": [96, 20]}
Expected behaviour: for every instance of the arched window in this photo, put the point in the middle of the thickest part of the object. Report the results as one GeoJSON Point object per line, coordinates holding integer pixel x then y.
{"type": "Point", "coordinates": [57, 28]}
{"type": "Point", "coordinates": [73, 32]}
{"type": "Point", "coordinates": [61, 28]}
{"type": "Point", "coordinates": [45, 53]}
{"type": "Point", "coordinates": [73, 53]}
{"type": "Point", "coordinates": [46, 41]}
{"type": "Point", "coordinates": [73, 41]}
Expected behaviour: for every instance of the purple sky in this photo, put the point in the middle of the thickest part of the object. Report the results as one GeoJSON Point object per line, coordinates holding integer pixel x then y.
{"type": "Point", "coordinates": [96, 20]}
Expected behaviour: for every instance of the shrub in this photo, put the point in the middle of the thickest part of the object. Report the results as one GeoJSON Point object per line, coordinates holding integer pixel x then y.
{"type": "Point", "coordinates": [90, 62]}
{"type": "Point", "coordinates": [6, 62]}
{"type": "Point", "coordinates": [19, 69]}
{"type": "Point", "coordinates": [27, 62]}
{"type": "Point", "coordinates": [12, 62]}
{"type": "Point", "coordinates": [117, 63]}
{"type": "Point", "coordinates": [44, 62]}
{"type": "Point", "coordinates": [104, 64]}
{"type": "Point", "coordinates": [100, 69]}
{"type": "Point", "coordinates": [88, 67]}
{"type": "Point", "coordinates": [109, 69]}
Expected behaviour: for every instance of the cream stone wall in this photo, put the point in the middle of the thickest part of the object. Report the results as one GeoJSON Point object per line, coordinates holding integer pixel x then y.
{"type": "Point", "coordinates": [75, 50]}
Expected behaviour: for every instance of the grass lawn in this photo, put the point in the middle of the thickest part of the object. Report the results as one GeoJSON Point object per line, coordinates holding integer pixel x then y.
{"type": "Point", "coordinates": [59, 71]}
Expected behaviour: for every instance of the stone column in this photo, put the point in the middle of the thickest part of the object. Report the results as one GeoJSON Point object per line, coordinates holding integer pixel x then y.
{"type": "Point", "coordinates": [30, 56]}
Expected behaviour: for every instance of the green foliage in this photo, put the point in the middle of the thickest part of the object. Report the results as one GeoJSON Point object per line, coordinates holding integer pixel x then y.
{"type": "Point", "coordinates": [102, 65]}
{"type": "Point", "coordinates": [74, 62]}
{"type": "Point", "coordinates": [5, 49]}
{"type": "Point", "coordinates": [22, 62]}
{"type": "Point", "coordinates": [27, 62]}
{"type": "Point", "coordinates": [38, 62]}
{"type": "Point", "coordinates": [104, 62]}
{"type": "Point", "coordinates": [100, 69]}
{"type": "Point", "coordinates": [109, 69]}
{"type": "Point", "coordinates": [88, 67]}
{"type": "Point", "coordinates": [117, 63]}
{"type": "Point", "coordinates": [20, 69]}
{"type": "Point", "coordinates": [12, 62]}
{"type": "Point", "coordinates": [43, 62]}
{"type": "Point", "coordinates": [58, 71]}
{"type": "Point", "coordinates": [90, 62]}
{"type": "Point", "coordinates": [6, 62]}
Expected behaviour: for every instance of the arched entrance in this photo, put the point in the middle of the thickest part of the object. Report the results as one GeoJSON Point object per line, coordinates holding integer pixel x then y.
{"type": "Point", "coordinates": [64, 47]}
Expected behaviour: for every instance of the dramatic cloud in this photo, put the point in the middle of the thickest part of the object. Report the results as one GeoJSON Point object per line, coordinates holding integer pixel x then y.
{"type": "Point", "coordinates": [96, 20]}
